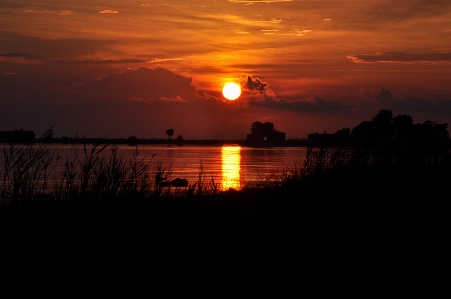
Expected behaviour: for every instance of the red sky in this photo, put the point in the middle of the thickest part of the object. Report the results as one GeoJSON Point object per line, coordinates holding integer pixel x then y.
{"type": "Point", "coordinates": [122, 68]}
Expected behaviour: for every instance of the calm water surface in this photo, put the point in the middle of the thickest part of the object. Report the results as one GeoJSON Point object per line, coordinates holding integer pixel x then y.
{"type": "Point", "coordinates": [231, 166]}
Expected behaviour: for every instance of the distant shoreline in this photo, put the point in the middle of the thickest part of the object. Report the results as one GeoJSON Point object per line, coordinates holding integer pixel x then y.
{"type": "Point", "coordinates": [210, 142]}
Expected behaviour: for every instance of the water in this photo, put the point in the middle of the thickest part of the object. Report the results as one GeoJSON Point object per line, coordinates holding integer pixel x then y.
{"type": "Point", "coordinates": [231, 166]}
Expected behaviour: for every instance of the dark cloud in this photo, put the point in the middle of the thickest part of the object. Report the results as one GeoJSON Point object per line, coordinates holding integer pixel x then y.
{"type": "Point", "coordinates": [316, 104]}
{"type": "Point", "coordinates": [110, 61]}
{"type": "Point", "coordinates": [252, 84]}
{"type": "Point", "coordinates": [412, 103]}
{"type": "Point", "coordinates": [401, 57]}
{"type": "Point", "coordinates": [385, 97]}
{"type": "Point", "coordinates": [64, 47]}
{"type": "Point", "coordinates": [20, 55]}
{"type": "Point", "coordinates": [259, 95]}
{"type": "Point", "coordinates": [142, 83]}
{"type": "Point", "coordinates": [133, 102]}
{"type": "Point", "coordinates": [401, 10]}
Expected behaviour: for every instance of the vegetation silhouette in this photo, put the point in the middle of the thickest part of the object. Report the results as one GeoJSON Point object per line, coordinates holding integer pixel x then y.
{"type": "Point", "coordinates": [48, 135]}
{"type": "Point", "coordinates": [169, 132]}
{"type": "Point", "coordinates": [264, 134]}
{"type": "Point", "coordinates": [351, 219]}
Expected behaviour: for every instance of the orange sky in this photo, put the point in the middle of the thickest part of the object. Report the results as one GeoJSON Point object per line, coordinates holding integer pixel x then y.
{"type": "Point", "coordinates": [121, 68]}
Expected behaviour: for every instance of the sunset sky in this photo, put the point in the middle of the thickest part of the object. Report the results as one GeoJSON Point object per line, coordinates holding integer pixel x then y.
{"type": "Point", "coordinates": [121, 68]}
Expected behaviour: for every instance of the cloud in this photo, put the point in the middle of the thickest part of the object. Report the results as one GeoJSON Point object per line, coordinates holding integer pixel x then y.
{"type": "Point", "coordinates": [412, 103]}
{"type": "Point", "coordinates": [138, 100]}
{"type": "Point", "coordinates": [39, 11]}
{"type": "Point", "coordinates": [401, 10]}
{"type": "Point", "coordinates": [165, 5]}
{"type": "Point", "coordinates": [258, 1]}
{"type": "Point", "coordinates": [48, 11]}
{"type": "Point", "coordinates": [19, 55]}
{"type": "Point", "coordinates": [142, 83]}
{"type": "Point", "coordinates": [259, 95]}
{"type": "Point", "coordinates": [177, 99]}
{"type": "Point", "coordinates": [108, 11]}
{"type": "Point", "coordinates": [316, 104]}
{"type": "Point", "coordinates": [21, 58]}
{"type": "Point", "coordinates": [297, 32]}
{"type": "Point", "coordinates": [272, 21]}
{"type": "Point", "coordinates": [401, 57]}
{"type": "Point", "coordinates": [66, 12]}
{"type": "Point", "coordinates": [250, 83]}
{"type": "Point", "coordinates": [111, 61]}
{"type": "Point", "coordinates": [269, 31]}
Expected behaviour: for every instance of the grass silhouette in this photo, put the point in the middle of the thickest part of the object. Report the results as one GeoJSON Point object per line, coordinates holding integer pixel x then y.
{"type": "Point", "coordinates": [340, 220]}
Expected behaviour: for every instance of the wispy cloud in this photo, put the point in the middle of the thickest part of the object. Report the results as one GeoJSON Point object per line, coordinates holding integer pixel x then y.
{"type": "Point", "coordinates": [66, 12]}
{"type": "Point", "coordinates": [401, 57]}
{"type": "Point", "coordinates": [177, 99]}
{"type": "Point", "coordinates": [111, 61]}
{"type": "Point", "coordinates": [39, 11]}
{"type": "Point", "coordinates": [19, 55]}
{"type": "Point", "coordinates": [108, 11]}
{"type": "Point", "coordinates": [48, 11]}
{"type": "Point", "coordinates": [164, 5]}
{"type": "Point", "coordinates": [297, 32]}
{"type": "Point", "coordinates": [258, 1]}
{"type": "Point", "coordinates": [272, 21]}
{"type": "Point", "coordinates": [269, 31]}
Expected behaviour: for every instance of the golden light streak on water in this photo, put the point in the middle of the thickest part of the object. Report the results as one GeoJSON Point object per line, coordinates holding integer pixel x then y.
{"type": "Point", "coordinates": [231, 160]}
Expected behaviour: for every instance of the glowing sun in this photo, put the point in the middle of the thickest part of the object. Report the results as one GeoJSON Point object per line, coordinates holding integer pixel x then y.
{"type": "Point", "coordinates": [231, 91]}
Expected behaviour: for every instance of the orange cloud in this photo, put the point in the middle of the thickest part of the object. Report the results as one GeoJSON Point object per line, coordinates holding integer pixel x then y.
{"type": "Point", "coordinates": [258, 1]}
{"type": "Point", "coordinates": [177, 99]}
{"type": "Point", "coordinates": [66, 12]}
{"type": "Point", "coordinates": [108, 11]}
{"type": "Point", "coordinates": [401, 57]}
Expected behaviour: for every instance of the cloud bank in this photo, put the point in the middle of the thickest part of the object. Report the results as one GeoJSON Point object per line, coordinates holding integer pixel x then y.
{"type": "Point", "coordinates": [401, 57]}
{"type": "Point", "coordinates": [259, 95]}
{"type": "Point", "coordinates": [412, 103]}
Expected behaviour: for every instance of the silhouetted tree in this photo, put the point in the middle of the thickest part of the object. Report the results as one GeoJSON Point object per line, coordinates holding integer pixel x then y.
{"type": "Point", "coordinates": [276, 136]}
{"type": "Point", "coordinates": [132, 140]}
{"type": "Point", "coordinates": [383, 116]}
{"type": "Point", "coordinates": [389, 138]}
{"type": "Point", "coordinates": [179, 140]}
{"type": "Point", "coordinates": [170, 132]}
{"type": "Point", "coordinates": [261, 130]}
{"type": "Point", "coordinates": [48, 134]}
{"type": "Point", "coordinates": [344, 131]}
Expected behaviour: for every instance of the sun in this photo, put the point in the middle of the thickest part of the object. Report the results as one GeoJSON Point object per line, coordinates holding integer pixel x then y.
{"type": "Point", "coordinates": [231, 91]}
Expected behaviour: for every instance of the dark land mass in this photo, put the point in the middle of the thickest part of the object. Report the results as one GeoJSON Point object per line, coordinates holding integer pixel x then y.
{"type": "Point", "coordinates": [376, 231]}
{"type": "Point", "coordinates": [369, 219]}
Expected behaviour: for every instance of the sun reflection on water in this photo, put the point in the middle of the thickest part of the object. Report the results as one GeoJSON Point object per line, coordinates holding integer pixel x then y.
{"type": "Point", "coordinates": [231, 159]}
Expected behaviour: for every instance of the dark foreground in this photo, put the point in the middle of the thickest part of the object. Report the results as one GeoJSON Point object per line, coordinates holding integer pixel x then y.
{"type": "Point", "coordinates": [379, 232]}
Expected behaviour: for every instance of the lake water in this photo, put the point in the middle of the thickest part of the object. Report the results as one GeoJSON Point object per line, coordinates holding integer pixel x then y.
{"type": "Point", "coordinates": [231, 166]}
